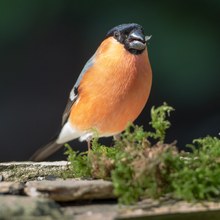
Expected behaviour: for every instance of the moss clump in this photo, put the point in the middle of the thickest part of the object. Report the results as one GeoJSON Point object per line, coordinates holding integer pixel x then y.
{"type": "Point", "coordinates": [140, 169]}
{"type": "Point", "coordinates": [198, 174]}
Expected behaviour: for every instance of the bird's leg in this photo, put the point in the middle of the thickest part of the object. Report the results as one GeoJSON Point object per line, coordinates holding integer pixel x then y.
{"type": "Point", "coordinates": [88, 139]}
{"type": "Point", "coordinates": [117, 137]}
{"type": "Point", "coordinates": [89, 145]}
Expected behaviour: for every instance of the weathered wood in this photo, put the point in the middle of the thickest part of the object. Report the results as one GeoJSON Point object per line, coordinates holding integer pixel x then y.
{"type": "Point", "coordinates": [22, 208]}
{"type": "Point", "coordinates": [15, 188]}
{"type": "Point", "coordinates": [70, 190]}
{"type": "Point", "coordinates": [49, 185]}
{"type": "Point", "coordinates": [171, 209]}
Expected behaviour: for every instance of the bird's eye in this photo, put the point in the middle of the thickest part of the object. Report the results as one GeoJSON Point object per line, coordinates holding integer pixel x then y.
{"type": "Point", "coordinates": [116, 34]}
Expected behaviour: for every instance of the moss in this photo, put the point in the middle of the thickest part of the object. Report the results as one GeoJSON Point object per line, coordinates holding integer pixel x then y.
{"type": "Point", "coordinates": [198, 176]}
{"type": "Point", "coordinates": [140, 169]}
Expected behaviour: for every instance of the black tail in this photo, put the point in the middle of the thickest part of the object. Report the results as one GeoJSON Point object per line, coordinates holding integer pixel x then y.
{"type": "Point", "coordinates": [46, 151]}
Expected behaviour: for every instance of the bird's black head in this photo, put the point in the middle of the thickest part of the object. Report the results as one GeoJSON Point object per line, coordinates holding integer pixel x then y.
{"type": "Point", "coordinates": [131, 36]}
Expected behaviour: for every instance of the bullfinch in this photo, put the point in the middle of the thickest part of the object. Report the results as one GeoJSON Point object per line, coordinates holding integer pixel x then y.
{"type": "Point", "coordinates": [110, 92]}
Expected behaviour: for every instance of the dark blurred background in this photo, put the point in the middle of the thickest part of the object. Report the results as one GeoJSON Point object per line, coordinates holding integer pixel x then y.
{"type": "Point", "coordinates": [45, 44]}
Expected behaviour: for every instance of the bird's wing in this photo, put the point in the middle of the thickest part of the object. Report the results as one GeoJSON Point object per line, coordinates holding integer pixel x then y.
{"type": "Point", "coordinates": [74, 92]}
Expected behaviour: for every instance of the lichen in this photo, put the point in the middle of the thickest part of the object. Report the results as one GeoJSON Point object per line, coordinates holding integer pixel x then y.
{"type": "Point", "coordinates": [22, 172]}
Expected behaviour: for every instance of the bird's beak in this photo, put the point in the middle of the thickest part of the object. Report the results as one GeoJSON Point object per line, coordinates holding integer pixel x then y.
{"type": "Point", "coordinates": [147, 38]}
{"type": "Point", "coordinates": [136, 40]}
{"type": "Point", "coordinates": [137, 35]}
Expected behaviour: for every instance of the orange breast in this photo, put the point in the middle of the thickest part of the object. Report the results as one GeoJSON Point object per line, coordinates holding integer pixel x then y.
{"type": "Point", "coordinates": [113, 91]}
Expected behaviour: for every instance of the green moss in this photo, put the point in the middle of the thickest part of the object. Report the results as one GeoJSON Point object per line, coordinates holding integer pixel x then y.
{"type": "Point", "coordinates": [198, 177]}
{"type": "Point", "coordinates": [79, 166]}
{"type": "Point", "coordinates": [140, 169]}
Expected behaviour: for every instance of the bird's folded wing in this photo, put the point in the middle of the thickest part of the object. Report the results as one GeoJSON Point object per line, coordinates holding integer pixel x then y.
{"type": "Point", "coordinates": [74, 92]}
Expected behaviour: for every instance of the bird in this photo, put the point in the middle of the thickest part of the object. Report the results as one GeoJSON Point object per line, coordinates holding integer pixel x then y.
{"type": "Point", "coordinates": [110, 92]}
